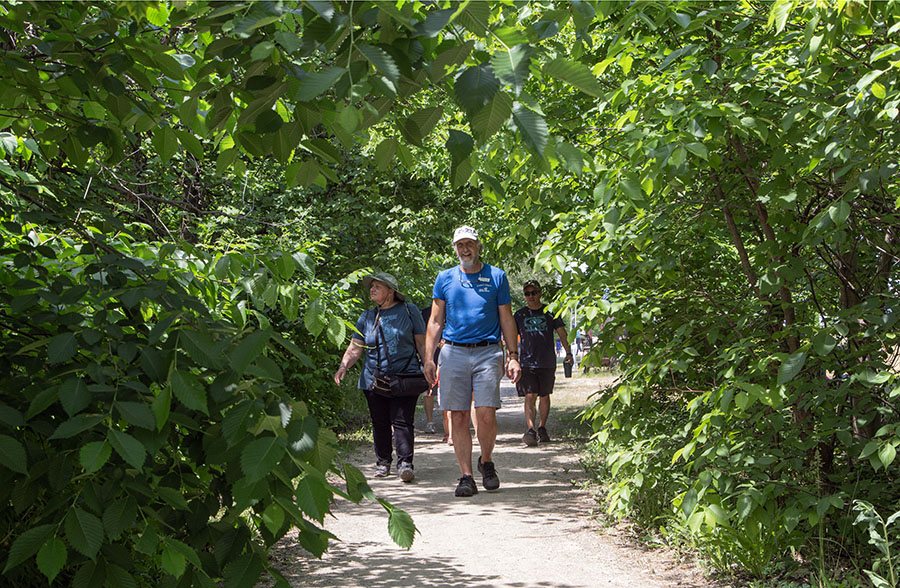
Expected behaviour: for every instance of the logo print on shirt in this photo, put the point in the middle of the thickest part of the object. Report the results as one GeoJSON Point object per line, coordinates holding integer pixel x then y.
{"type": "Point", "coordinates": [535, 324]}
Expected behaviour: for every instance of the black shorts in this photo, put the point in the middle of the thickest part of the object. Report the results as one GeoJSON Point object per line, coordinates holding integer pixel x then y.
{"type": "Point", "coordinates": [536, 381]}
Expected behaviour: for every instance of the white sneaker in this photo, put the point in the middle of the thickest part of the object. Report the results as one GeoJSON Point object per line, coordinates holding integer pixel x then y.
{"type": "Point", "coordinates": [429, 428]}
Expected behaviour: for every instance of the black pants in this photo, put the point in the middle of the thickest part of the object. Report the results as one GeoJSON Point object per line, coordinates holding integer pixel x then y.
{"type": "Point", "coordinates": [396, 414]}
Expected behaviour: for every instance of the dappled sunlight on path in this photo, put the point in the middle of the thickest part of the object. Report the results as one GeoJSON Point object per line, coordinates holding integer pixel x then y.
{"type": "Point", "coordinates": [536, 530]}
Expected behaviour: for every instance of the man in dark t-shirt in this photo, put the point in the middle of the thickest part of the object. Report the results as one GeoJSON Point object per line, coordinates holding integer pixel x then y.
{"type": "Point", "coordinates": [537, 356]}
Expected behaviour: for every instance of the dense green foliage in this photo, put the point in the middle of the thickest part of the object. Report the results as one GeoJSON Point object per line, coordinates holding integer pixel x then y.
{"type": "Point", "coordinates": [190, 192]}
{"type": "Point", "coordinates": [741, 239]}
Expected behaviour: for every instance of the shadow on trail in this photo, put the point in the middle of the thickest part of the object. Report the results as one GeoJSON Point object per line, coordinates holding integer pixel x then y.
{"type": "Point", "coordinates": [536, 530]}
{"type": "Point", "coordinates": [371, 565]}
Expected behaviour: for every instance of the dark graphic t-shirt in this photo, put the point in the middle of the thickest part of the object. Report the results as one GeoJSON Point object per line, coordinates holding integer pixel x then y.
{"type": "Point", "coordinates": [536, 327]}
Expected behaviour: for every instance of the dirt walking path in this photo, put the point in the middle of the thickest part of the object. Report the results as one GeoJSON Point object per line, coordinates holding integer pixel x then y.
{"type": "Point", "coordinates": [536, 530]}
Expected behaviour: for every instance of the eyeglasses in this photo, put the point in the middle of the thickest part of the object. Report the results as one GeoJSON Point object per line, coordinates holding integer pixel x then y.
{"type": "Point", "coordinates": [532, 292]}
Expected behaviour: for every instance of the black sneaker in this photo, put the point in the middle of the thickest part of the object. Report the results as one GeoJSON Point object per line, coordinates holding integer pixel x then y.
{"type": "Point", "coordinates": [382, 470]}
{"type": "Point", "coordinates": [466, 487]}
{"type": "Point", "coordinates": [489, 478]}
{"type": "Point", "coordinates": [543, 436]}
{"type": "Point", "coordinates": [530, 438]}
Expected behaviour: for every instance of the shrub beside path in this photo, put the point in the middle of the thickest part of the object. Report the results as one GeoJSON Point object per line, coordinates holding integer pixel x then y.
{"type": "Point", "coordinates": [536, 530]}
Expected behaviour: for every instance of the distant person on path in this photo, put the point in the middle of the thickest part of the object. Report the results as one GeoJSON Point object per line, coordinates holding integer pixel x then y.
{"type": "Point", "coordinates": [538, 360]}
{"type": "Point", "coordinates": [428, 399]}
{"type": "Point", "coordinates": [393, 327]}
{"type": "Point", "coordinates": [471, 308]}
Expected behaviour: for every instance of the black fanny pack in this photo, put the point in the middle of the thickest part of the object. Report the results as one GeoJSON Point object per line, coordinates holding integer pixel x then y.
{"type": "Point", "coordinates": [391, 384]}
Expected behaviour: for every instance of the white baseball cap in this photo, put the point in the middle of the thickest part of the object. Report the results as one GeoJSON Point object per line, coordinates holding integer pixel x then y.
{"type": "Point", "coordinates": [464, 232]}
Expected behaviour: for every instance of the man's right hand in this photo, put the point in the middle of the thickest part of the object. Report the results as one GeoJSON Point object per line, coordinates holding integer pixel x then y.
{"type": "Point", "coordinates": [430, 371]}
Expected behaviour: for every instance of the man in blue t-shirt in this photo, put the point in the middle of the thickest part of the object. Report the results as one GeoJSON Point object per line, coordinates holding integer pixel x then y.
{"type": "Point", "coordinates": [471, 307]}
{"type": "Point", "coordinates": [538, 359]}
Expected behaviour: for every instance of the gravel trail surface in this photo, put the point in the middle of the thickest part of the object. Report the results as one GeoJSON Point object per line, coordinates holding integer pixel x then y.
{"type": "Point", "coordinates": [536, 530]}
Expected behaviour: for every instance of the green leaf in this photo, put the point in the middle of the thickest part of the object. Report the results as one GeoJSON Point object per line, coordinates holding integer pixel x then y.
{"type": "Point", "coordinates": [491, 118]}
{"type": "Point", "coordinates": [201, 347]}
{"type": "Point", "coordinates": [262, 51]}
{"type": "Point", "coordinates": [172, 561]}
{"type": "Point", "coordinates": [532, 126]}
{"type": "Point", "coordinates": [157, 13]}
{"type": "Point", "coordinates": [381, 60]}
{"type": "Point", "coordinates": [572, 156]}
{"type": "Point", "coordinates": [357, 486]}
{"type": "Point", "coordinates": [84, 532]}
{"type": "Point", "coordinates": [261, 456]}
{"type": "Point", "coordinates": [190, 142]}
{"type": "Point", "coordinates": [243, 572]}
{"type": "Point", "coordinates": [514, 66]}
{"type": "Point", "coordinates": [886, 454]}
{"type": "Point", "coordinates": [161, 407]}
{"type": "Point", "coordinates": [173, 497]}
{"type": "Point", "coordinates": [698, 149]}
{"type": "Point", "coordinates": [249, 349]}
{"type": "Point", "coordinates": [575, 74]}
{"type": "Point", "coordinates": [444, 61]}
{"type": "Point", "coordinates": [13, 452]}
{"type": "Point", "coordinates": [74, 396]}
{"type": "Point", "coordinates": [418, 125]}
{"type": "Point", "coordinates": [790, 367]}
{"type": "Point", "coordinates": [129, 448]}
{"type": "Point", "coordinates": [384, 153]}
{"type": "Point", "coordinates": [689, 503]}
{"type": "Point", "coordinates": [273, 518]}
{"type": "Point", "coordinates": [9, 143]}
{"type": "Point", "coordinates": [62, 348]}
{"type": "Point", "coordinates": [52, 557]}
{"type": "Point", "coordinates": [189, 390]}
{"type": "Point", "coordinates": [401, 527]}
{"type": "Point", "coordinates": [314, 318]}
{"type": "Point", "coordinates": [867, 79]}
{"type": "Point", "coordinates": [839, 212]}
{"type": "Point", "coordinates": [315, 84]}
{"type": "Point", "coordinates": [184, 549]}
{"type": "Point", "coordinates": [94, 455]}
{"type": "Point", "coordinates": [336, 331]}
{"type": "Point", "coordinates": [27, 544]}
{"type": "Point", "coordinates": [823, 343]}
{"type": "Point", "coordinates": [313, 496]}
{"type": "Point", "coordinates": [75, 425]}
{"type": "Point", "coordinates": [119, 517]}
{"type": "Point", "coordinates": [779, 13]}
{"type": "Point", "coordinates": [290, 41]}
{"type": "Point", "coordinates": [165, 141]}
{"type": "Point", "coordinates": [460, 145]}
{"type": "Point", "coordinates": [434, 22]}
{"type": "Point", "coordinates": [118, 577]}
{"type": "Point", "coordinates": [137, 414]}
{"type": "Point", "coordinates": [475, 87]}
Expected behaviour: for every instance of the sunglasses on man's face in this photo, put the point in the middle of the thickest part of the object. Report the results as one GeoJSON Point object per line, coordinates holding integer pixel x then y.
{"type": "Point", "coordinates": [532, 292]}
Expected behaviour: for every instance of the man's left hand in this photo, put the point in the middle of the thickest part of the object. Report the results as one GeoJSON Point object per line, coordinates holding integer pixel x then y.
{"type": "Point", "coordinates": [513, 370]}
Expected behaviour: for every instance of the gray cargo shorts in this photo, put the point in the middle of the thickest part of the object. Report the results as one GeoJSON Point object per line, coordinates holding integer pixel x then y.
{"type": "Point", "coordinates": [470, 372]}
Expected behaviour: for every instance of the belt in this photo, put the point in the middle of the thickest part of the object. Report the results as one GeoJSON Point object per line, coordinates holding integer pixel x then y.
{"type": "Point", "coordinates": [479, 344]}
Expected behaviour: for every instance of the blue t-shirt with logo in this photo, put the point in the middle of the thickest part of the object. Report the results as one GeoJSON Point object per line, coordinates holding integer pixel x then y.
{"type": "Point", "coordinates": [399, 324]}
{"type": "Point", "coordinates": [471, 301]}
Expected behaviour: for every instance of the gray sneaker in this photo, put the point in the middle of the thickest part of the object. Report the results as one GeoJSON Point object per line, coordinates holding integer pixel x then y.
{"type": "Point", "coordinates": [407, 474]}
{"type": "Point", "coordinates": [530, 438]}
{"type": "Point", "coordinates": [543, 436]}
{"type": "Point", "coordinates": [429, 428]}
{"type": "Point", "coordinates": [382, 470]}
